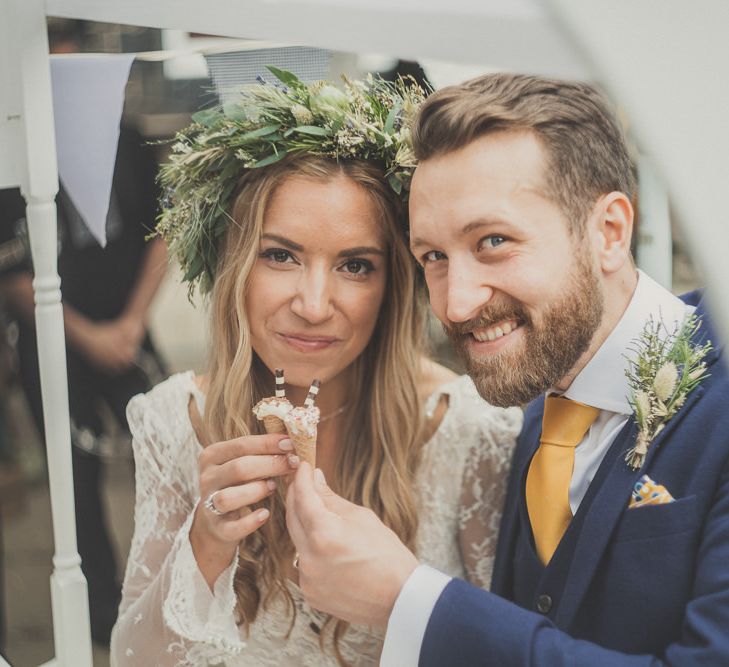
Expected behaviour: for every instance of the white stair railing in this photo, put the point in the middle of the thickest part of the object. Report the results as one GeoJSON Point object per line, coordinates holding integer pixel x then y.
{"type": "Point", "coordinates": [69, 598]}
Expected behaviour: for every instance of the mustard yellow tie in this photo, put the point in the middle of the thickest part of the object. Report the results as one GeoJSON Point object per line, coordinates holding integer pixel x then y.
{"type": "Point", "coordinates": [564, 424]}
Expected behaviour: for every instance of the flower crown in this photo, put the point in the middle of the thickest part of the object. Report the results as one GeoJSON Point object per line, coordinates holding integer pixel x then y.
{"type": "Point", "coordinates": [367, 120]}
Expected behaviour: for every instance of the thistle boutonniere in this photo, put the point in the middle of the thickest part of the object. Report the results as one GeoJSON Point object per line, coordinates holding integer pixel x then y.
{"type": "Point", "coordinates": [667, 367]}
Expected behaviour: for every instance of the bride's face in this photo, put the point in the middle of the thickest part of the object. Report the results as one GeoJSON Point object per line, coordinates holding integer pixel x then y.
{"type": "Point", "coordinates": [318, 283]}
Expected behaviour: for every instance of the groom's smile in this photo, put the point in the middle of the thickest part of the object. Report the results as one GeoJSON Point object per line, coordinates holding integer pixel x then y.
{"type": "Point", "coordinates": [504, 269]}
{"type": "Point", "coordinates": [498, 331]}
{"type": "Point", "coordinates": [488, 335]}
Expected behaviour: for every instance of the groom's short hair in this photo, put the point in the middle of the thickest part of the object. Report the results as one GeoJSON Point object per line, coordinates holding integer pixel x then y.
{"type": "Point", "coordinates": [586, 148]}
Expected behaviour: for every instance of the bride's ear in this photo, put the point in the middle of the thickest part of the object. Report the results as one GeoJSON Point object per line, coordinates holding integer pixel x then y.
{"type": "Point", "coordinates": [612, 226]}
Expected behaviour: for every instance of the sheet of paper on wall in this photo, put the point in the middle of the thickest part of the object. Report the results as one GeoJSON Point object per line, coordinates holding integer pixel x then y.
{"type": "Point", "coordinates": [88, 97]}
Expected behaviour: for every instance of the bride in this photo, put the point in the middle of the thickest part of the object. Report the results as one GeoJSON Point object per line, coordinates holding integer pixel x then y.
{"type": "Point", "coordinates": [288, 208]}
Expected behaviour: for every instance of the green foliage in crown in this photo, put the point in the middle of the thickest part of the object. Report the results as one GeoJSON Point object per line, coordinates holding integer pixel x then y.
{"type": "Point", "coordinates": [366, 120]}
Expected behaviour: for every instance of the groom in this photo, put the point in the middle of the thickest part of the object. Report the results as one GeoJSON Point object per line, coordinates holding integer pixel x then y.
{"type": "Point", "coordinates": [521, 217]}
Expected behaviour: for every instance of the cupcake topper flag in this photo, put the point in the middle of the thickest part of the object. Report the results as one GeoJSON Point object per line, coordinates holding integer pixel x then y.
{"type": "Point", "coordinates": [280, 389]}
{"type": "Point", "coordinates": [311, 396]}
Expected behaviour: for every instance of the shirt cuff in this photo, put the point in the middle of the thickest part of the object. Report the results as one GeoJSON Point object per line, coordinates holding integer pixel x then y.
{"type": "Point", "coordinates": [410, 615]}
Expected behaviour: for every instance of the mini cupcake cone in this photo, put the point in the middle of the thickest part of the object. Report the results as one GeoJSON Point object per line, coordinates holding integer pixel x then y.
{"type": "Point", "coordinates": [305, 447]}
{"type": "Point", "coordinates": [273, 424]}
{"type": "Point", "coordinates": [301, 424]}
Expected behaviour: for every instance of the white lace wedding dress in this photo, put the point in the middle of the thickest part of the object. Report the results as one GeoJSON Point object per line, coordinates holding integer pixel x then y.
{"type": "Point", "coordinates": [168, 615]}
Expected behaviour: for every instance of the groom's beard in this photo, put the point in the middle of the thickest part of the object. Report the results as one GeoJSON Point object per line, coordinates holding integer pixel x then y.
{"type": "Point", "coordinates": [552, 341]}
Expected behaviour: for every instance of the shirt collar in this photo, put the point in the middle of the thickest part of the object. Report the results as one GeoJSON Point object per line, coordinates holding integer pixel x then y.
{"type": "Point", "coordinates": [602, 382]}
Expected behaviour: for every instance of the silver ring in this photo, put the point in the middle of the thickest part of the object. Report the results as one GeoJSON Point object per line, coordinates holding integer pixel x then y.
{"type": "Point", "coordinates": [209, 504]}
{"type": "Point", "coordinates": [296, 561]}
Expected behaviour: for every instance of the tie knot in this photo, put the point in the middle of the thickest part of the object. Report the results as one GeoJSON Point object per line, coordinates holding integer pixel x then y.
{"type": "Point", "coordinates": [565, 422]}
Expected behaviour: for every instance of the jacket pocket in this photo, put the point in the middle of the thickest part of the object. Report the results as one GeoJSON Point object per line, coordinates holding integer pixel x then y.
{"type": "Point", "coordinates": [653, 521]}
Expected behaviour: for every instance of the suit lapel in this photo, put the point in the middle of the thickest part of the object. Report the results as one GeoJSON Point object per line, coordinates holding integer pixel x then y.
{"type": "Point", "coordinates": [502, 579]}
{"type": "Point", "coordinates": [608, 505]}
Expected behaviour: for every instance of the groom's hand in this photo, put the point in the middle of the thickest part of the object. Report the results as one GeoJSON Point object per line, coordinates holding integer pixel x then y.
{"type": "Point", "coordinates": [350, 564]}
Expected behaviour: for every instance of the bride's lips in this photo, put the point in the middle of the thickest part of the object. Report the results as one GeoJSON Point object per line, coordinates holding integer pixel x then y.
{"type": "Point", "coordinates": [305, 343]}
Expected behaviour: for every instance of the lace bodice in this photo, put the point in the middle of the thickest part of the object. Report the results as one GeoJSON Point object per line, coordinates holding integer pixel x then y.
{"type": "Point", "coordinates": [168, 615]}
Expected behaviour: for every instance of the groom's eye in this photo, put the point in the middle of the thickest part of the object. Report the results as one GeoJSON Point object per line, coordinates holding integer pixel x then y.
{"type": "Point", "coordinates": [432, 256]}
{"type": "Point", "coordinates": [491, 241]}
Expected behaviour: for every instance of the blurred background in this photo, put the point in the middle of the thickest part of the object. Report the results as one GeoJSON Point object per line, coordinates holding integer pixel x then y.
{"type": "Point", "coordinates": [162, 92]}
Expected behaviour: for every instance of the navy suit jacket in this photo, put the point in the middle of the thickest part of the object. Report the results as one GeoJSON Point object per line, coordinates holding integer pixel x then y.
{"type": "Point", "coordinates": [645, 586]}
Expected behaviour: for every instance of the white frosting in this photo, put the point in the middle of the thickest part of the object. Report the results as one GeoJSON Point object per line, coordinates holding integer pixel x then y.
{"type": "Point", "coordinates": [272, 406]}
{"type": "Point", "coordinates": [303, 421]}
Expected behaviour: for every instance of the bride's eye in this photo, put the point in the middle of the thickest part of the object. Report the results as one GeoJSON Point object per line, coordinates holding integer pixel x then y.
{"type": "Point", "coordinates": [358, 267]}
{"type": "Point", "coordinates": [277, 255]}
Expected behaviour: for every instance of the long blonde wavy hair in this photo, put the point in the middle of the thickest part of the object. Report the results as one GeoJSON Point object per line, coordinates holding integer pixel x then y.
{"type": "Point", "coordinates": [376, 464]}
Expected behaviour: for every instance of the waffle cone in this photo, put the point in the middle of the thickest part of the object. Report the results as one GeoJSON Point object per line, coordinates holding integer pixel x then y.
{"type": "Point", "coordinates": [273, 424]}
{"type": "Point", "coordinates": [305, 447]}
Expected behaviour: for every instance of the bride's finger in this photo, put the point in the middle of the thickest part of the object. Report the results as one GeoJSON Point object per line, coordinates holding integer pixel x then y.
{"type": "Point", "coordinates": [249, 468]}
{"type": "Point", "coordinates": [234, 498]}
{"type": "Point", "coordinates": [238, 529]}
{"type": "Point", "coordinates": [220, 452]}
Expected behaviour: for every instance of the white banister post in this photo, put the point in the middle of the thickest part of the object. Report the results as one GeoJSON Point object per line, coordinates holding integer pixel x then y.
{"type": "Point", "coordinates": [68, 587]}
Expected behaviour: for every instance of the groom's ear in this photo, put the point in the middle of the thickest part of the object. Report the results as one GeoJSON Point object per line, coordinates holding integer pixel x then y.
{"type": "Point", "coordinates": [611, 225]}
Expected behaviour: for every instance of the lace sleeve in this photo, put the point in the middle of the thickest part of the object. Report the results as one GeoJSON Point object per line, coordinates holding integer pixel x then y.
{"type": "Point", "coordinates": [168, 616]}
{"type": "Point", "coordinates": [482, 494]}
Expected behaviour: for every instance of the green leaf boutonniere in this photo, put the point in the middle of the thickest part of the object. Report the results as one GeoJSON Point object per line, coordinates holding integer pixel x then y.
{"type": "Point", "coordinates": [667, 367]}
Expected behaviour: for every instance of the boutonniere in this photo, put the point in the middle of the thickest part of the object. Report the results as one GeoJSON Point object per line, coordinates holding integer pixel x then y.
{"type": "Point", "coordinates": [666, 368]}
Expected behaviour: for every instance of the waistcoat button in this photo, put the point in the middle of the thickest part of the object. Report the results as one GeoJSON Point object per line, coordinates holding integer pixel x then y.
{"type": "Point", "coordinates": [544, 604]}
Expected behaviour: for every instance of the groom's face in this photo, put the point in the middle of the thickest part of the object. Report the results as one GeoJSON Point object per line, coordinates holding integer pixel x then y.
{"type": "Point", "coordinates": [518, 293]}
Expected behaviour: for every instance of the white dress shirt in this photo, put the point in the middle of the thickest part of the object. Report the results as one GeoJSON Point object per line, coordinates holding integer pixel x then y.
{"type": "Point", "coordinates": [602, 383]}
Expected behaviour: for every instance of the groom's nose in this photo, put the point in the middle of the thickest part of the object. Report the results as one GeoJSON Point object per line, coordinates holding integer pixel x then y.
{"type": "Point", "coordinates": [467, 292]}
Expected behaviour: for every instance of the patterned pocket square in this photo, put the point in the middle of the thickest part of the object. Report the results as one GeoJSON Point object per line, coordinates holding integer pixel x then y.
{"type": "Point", "coordinates": [647, 492]}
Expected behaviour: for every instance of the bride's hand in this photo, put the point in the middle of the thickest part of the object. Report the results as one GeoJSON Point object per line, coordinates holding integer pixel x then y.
{"type": "Point", "coordinates": [234, 475]}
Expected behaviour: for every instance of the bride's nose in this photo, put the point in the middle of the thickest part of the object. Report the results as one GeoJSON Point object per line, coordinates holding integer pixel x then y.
{"type": "Point", "coordinates": [313, 298]}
